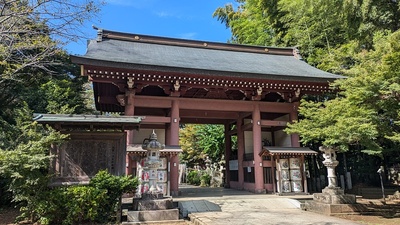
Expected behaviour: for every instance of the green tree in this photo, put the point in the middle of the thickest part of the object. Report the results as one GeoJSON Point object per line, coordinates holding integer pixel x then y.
{"type": "Point", "coordinates": [316, 27]}
{"type": "Point", "coordinates": [34, 70]}
{"type": "Point", "coordinates": [366, 110]}
{"type": "Point", "coordinates": [192, 153]}
{"type": "Point", "coordinates": [26, 165]}
{"type": "Point", "coordinates": [200, 140]}
{"type": "Point", "coordinates": [253, 22]}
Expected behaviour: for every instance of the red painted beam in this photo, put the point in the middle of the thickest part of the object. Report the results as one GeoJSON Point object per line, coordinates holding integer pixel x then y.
{"type": "Point", "coordinates": [155, 119]}
{"type": "Point", "coordinates": [208, 114]}
{"type": "Point", "coordinates": [273, 123]}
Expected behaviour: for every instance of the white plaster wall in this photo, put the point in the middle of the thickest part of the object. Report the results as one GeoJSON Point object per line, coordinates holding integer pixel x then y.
{"type": "Point", "coordinates": [282, 139]}
{"type": "Point", "coordinates": [139, 136]}
{"type": "Point", "coordinates": [248, 141]}
{"type": "Point", "coordinates": [266, 135]}
{"type": "Point", "coordinates": [283, 118]}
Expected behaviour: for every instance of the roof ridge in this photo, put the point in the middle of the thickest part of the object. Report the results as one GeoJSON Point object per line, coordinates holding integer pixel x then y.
{"type": "Point", "coordinates": [115, 35]}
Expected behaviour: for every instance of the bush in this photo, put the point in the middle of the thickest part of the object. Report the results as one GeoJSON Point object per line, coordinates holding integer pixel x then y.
{"type": "Point", "coordinates": [115, 186]}
{"type": "Point", "coordinates": [193, 177]}
{"type": "Point", "coordinates": [205, 180]}
{"type": "Point", "coordinates": [71, 205]}
{"type": "Point", "coordinates": [96, 202]}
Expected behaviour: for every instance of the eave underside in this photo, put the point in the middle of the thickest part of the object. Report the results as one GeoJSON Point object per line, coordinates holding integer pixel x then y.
{"type": "Point", "coordinates": [111, 82]}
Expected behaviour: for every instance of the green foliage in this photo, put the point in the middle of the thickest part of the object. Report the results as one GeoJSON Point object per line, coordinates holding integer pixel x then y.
{"type": "Point", "coordinates": [199, 177]}
{"type": "Point", "coordinates": [205, 180]}
{"type": "Point", "coordinates": [366, 111]}
{"type": "Point", "coordinates": [115, 187]}
{"type": "Point", "coordinates": [316, 27]}
{"type": "Point", "coordinates": [188, 142]}
{"type": "Point", "coordinates": [198, 141]}
{"type": "Point", "coordinates": [96, 202]}
{"type": "Point", "coordinates": [359, 39]}
{"type": "Point", "coordinates": [35, 74]}
{"type": "Point", "coordinates": [72, 205]}
{"type": "Point", "coordinates": [26, 165]}
{"type": "Point", "coordinates": [194, 177]}
{"type": "Point", "coordinates": [211, 140]}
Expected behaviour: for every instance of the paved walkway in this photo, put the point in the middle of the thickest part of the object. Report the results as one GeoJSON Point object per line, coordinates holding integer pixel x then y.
{"type": "Point", "coordinates": [214, 206]}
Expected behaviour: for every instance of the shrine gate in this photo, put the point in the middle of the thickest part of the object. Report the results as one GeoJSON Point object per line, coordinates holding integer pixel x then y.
{"type": "Point", "coordinates": [253, 90]}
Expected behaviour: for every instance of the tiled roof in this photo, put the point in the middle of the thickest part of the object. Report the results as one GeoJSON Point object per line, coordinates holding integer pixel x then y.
{"type": "Point", "coordinates": [130, 51]}
{"type": "Point", "coordinates": [66, 120]}
{"type": "Point", "coordinates": [287, 151]}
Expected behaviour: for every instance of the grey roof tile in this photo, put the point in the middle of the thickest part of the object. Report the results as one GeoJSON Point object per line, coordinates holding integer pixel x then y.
{"type": "Point", "coordinates": [203, 59]}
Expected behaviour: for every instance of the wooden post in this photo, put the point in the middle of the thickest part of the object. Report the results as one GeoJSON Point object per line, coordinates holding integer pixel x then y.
{"type": "Point", "coordinates": [258, 168]}
{"type": "Point", "coordinates": [240, 143]}
{"type": "Point", "coordinates": [174, 140]}
{"type": "Point", "coordinates": [129, 111]}
{"type": "Point", "coordinates": [228, 149]}
{"type": "Point", "coordinates": [273, 168]}
{"type": "Point", "coordinates": [293, 117]}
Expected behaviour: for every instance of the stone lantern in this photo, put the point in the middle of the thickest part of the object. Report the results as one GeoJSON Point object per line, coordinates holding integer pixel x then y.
{"type": "Point", "coordinates": [330, 162]}
{"type": "Point", "coordinates": [153, 162]}
{"type": "Point", "coordinates": [332, 200]}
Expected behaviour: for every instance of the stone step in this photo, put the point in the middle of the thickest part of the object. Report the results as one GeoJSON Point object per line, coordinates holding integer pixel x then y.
{"type": "Point", "coordinates": [153, 215]}
{"type": "Point", "coordinates": [192, 206]}
{"type": "Point", "coordinates": [166, 222]}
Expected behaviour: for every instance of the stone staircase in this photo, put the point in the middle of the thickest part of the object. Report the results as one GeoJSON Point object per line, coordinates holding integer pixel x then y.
{"type": "Point", "coordinates": [134, 212]}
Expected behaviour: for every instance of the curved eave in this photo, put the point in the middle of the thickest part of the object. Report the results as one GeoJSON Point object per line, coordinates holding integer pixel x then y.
{"type": "Point", "coordinates": [85, 61]}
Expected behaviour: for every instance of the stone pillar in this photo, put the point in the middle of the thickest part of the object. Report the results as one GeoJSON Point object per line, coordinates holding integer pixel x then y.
{"type": "Point", "coordinates": [174, 140]}
{"type": "Point", "coordinates": [228, 150]}
{"type": "Point", "coordinates": [293, 117]}
{"type": "Point", "coordinates": [257, 142]}
{"type": "Point", "coordinates": [129, 111]}
{"type": "Point", "coordinates": [240, 143]}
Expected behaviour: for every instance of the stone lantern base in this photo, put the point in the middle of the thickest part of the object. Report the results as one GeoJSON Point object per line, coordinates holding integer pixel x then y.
{"type": "Point", "coordinates": [332, 201]}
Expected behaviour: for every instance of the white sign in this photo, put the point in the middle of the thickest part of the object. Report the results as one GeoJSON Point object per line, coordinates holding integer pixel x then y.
{"type": "Point", "coordinates": [233, 165]}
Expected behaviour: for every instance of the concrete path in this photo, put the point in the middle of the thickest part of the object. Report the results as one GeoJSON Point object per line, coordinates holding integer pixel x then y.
{"type": "Point", "coordinates": [214, 206]}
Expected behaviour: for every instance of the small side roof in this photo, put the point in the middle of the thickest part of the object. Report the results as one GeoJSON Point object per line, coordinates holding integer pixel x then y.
{"type": "Point", "coordinates": [286, 151]}
{"type": "Point", "coordinates": [91, 121]}
{"type": "Point", "coordinates": [143, 52]}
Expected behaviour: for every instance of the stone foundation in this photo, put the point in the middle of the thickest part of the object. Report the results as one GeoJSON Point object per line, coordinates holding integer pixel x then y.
{"type": "Point", "coordinates": [153, 208]}
{"type": "Point", "coordinates": [153, 215]}
{"type": "Point", "coordinates": [329, 209]}
{"type": "Point", "coordinates": [332, 201]}
{"type": "Point", "coordinates": [149, 202]}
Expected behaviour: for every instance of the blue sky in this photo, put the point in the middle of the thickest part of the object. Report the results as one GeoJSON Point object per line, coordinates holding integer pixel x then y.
{"type": "Point", "coordinates": [190, 19]}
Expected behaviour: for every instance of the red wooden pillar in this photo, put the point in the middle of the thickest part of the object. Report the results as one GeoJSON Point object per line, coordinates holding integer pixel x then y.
{"type": "Point", "coordinates": [174, 140]}
{"type": "Point", "coordinates": [228, 149]}
{"type": "Point", "coordinates": [240, 143]}
{"type": "Point", "coordinates": [129, 111]}
{"type": "Point", "coordinates": [293, 117]}
{"type": "Point", "coordinates": [258, 169]}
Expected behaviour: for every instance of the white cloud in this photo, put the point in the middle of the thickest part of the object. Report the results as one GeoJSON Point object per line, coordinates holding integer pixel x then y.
{"type": "Point", "coordinates": [165, 14]}
{"type": "Point", "coordinates": [190, 35]}
{"type": "Point", "coordinates": [131, 3]}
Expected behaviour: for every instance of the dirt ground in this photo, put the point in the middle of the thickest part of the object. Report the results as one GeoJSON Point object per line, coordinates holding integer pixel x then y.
{"type": "Point", "coordinates": [376, 213]}
{"type": "Point", "coordinates": [7, 216]}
